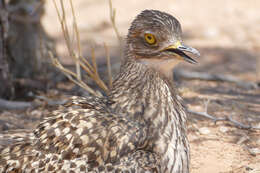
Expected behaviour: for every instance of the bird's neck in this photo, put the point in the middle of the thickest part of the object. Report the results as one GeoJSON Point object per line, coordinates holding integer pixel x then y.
{"type": "Point", "coordinates": [144, 94]}
{"type": "Point", "coordinates": [139, 86]}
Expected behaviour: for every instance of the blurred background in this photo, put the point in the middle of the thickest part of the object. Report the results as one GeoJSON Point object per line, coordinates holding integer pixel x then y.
{"type": "Point", "coordinates": [223, 31]}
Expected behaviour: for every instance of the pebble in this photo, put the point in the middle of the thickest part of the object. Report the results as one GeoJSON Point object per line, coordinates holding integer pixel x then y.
{"type": "Point", "coordinates": [204, 131]}
{"type": "Point", "coordinates": [254, 151]}
{"type": "Point", "coordinates": [223, 129]}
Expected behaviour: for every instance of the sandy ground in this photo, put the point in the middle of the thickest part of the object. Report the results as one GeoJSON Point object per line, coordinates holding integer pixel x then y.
{"type": "Point", "coordinates": [227, 33]}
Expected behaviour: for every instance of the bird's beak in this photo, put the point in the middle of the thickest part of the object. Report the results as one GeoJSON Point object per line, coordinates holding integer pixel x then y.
{"type": "Point", "coordinates": [179, 49]}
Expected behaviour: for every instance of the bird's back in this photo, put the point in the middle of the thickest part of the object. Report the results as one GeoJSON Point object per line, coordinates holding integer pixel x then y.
{"type": "Point", "coordinates": [84, 135]}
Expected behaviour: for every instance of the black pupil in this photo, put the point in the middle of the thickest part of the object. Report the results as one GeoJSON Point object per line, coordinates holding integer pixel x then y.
{"type": "Point", "coordinates": [149, 37]}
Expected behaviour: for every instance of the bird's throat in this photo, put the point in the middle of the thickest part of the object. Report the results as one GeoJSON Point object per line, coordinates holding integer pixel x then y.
{"type": "Point", "coordinates": [163, 65]}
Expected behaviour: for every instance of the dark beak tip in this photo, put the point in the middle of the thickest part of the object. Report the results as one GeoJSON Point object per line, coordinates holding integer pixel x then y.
{"type": "Point", "coordinates": [191, 61]}
{"type": "Point", "coordinates": [195, 62]}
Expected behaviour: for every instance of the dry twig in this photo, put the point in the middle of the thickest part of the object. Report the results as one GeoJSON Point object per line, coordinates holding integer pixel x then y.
{"type": "Point", "coordinates": [227, 118]}
{"type": "Point", "coordinates": [112, 13]}
{"type": "Point", "coordinates": [80, 62]}
{"type": "Point", "coordinates": [72, 76]}
{"type": "Point", "coordinates": [75, 27]}
{"type": "Point", "coordinates": [109, 72]}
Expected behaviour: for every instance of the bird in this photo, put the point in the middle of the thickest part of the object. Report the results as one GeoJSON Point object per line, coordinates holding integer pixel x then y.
{"type": "Point", "coordinates": [138, 127]}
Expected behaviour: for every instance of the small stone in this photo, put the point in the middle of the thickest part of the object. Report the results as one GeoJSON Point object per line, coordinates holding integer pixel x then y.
{"type": "Point", "coordinates": [204, 131]}
{"type": "Point", "coordinates": [254, 151]}
{"type": "Point", "coordinates": [223, 129]}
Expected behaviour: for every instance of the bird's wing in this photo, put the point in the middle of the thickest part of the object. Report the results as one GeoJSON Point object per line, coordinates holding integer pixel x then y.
{"type": "Point", "coordinates": [12, 136]}
{"type": "Point", "coordinates": [87, 133]}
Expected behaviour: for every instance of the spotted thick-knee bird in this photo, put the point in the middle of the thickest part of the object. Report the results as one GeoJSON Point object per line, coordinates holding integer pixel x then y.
{"type": "Point", "coordinates": [140, 126]}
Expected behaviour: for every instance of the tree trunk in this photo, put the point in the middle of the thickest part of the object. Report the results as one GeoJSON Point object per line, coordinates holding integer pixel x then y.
{"type": "Point", "coordinates": [28, 43]}
{"type": "Point", "coordinates": [6, 85]}
{"type": "Point", "coordinates": [24, 44]}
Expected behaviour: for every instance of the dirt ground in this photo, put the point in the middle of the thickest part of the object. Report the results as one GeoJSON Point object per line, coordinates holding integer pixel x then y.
{"type": "Point", "coordinates": [227, 34]}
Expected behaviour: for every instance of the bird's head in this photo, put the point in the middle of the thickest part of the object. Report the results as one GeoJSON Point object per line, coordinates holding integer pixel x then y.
{"type": "Point", "coordinates": [154, 38]}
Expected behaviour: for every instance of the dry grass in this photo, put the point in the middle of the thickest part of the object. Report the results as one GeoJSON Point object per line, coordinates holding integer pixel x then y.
{"type": "Point", "coordinates": [81, 63]}
{"type": "Point", "coordinates": [112, 12]}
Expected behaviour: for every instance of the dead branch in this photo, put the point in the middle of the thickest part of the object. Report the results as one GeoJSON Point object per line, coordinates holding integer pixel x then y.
{"type": "Point", "coordinates": [21, 105]}
{"type": "Point", "coordinates": [227, 118]}
{"type": "Point", "coordinates": [72, 76]}
{"type": "Point", "coordinates": [216, 119]}
{"type": "Point", "coordinates": [15, 105]}
{"type": "Point", "coordinates": [215, 77]}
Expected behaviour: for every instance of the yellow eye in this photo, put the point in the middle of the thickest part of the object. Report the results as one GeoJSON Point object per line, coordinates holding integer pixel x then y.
{"type": "Point", "coordinates": [150, 38]}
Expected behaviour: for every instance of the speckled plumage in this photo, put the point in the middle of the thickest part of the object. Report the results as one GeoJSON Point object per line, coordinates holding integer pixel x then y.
{"type": "Point", "coordinates": [139, 127]}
